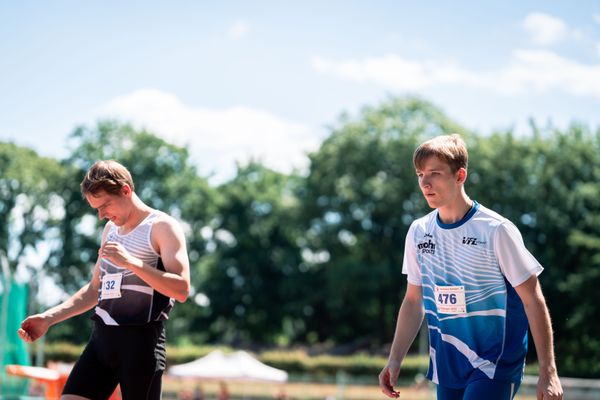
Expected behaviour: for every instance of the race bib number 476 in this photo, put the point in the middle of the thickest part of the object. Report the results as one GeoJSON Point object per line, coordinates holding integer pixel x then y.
{"type": "Point", "coordinates": [111, 286]}
{"type": "Point", "coordinates": [450, 299]}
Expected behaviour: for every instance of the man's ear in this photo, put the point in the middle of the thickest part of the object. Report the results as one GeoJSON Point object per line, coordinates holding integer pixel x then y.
{"type": "Point", "coordinates": [126, 190]}
{"type": "Point", "coordinates": [461, 175]}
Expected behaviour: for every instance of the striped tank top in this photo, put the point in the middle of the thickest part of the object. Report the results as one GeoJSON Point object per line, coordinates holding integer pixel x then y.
{"type": "Point", "coordinates": [133, 301]}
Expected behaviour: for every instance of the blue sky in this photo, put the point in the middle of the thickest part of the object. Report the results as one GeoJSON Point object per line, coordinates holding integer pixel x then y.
{"type": "Point", "coordinates": [238, 79]}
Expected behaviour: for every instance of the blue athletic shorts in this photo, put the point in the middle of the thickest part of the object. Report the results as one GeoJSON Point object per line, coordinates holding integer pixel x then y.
{"type": "Point", "coordinates": [487, 389]}
{"type": "Point", "coordinates": [130, 356]}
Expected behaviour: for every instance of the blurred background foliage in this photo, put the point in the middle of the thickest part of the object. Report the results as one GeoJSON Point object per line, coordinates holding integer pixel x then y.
{"type": "Point", "coordinates": [314, 258]}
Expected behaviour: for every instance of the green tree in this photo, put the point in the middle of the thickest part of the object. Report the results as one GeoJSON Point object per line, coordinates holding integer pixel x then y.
{"type": "Point", "coordinates": [30, 207]}
{"type": "Point", "coordinates": [305, 259]}
{"type": "Point", "coordinates": [249, 279]}
{"type": "Point", "coordinates": [30, 204]}
{"type": "Point", "coordinates": [361, 196]}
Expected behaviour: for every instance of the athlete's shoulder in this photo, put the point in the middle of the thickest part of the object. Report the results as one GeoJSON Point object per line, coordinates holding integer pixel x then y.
{"type": "Point", "coordinates": [421, 226]}
{"type": "Point", "coordinates": [165, 224]}
{"type": "Point", "coordinates": [163, 217]}
{"type": "Point", "coordinates": [489, 217]}
{"type": "Point", "coordinates": [424, 221]}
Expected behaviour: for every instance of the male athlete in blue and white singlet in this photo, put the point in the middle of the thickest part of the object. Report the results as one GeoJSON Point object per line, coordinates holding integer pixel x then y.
{"type": "Point", "coordinates": [142, 269]}
{"type": "Point", "coordinates": [471, 276]}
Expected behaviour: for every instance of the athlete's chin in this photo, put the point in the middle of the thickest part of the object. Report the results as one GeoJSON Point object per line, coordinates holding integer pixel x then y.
{"type": "Point", "coordinates": [431, 202]}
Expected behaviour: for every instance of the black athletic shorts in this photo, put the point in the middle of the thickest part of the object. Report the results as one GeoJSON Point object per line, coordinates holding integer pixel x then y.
{"type": "Point", "coordinates": [131, 356]}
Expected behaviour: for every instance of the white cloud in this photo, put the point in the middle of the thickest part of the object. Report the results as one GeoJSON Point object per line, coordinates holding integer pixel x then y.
{"type": "Point", "coordinates": [527, 70]}
{"type": "Point", "coordinates": [396, 72]}
{"type": "Point", "coordinates": [217, 138]}
{"type": "Point", "coordinates": [596, 18]}
{"type": "Point", "coordinates": [545, 29]}
{"type": "Point", "coordinates": [541, 71]}
{"type": "Point", "coordinates": [238, 30]}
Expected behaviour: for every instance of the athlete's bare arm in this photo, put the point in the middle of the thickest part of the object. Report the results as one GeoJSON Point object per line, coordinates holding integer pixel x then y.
{"type": "Point", "coordinates": [36, 326]}
{"type": "Point", "coordinates": [409, 321]}
{"type": "Point", "coordinates": [530, 292]}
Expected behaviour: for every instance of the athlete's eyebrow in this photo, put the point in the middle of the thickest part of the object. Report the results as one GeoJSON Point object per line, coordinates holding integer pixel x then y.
{"type": "Point", "coordinates": [433, 169]}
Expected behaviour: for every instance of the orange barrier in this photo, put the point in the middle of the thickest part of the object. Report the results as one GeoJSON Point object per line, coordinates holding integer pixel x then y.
{"type": "Point", "coordinates": [50, 378]}
{"type": "Point", "coordinates": [53, 379]}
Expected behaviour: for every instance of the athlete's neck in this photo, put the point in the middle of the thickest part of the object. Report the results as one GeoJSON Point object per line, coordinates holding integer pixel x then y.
{"type": "Point", "coordinates": [456, 211]}
{"type": "Point", "coordinates": [139, 212]}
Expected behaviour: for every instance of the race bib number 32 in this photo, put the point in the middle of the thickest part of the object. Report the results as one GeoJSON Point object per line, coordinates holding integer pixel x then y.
{"type": "Point", "coordinates": [111, 286]}
{"type": "Point", "coordinates": [450, 299]}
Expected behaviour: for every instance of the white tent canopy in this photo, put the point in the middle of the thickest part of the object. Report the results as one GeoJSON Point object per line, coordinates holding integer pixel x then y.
{"type": "Point", "coordinates": [234, 366]}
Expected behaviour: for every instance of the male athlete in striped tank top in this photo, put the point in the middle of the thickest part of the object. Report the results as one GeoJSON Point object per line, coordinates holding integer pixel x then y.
{"type": "Point", "coordinates": [142, 269]}
{"type": "Point", "coordinates": [470, 274]}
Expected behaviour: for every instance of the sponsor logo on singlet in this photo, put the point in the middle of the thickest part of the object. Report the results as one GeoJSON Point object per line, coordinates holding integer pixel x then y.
{"type": "Point", "coordinates": [427, 247]}
{"type": "Point", "coordinates": [471, 241]}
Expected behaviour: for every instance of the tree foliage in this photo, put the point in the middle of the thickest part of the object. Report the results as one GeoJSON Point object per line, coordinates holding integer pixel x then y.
{"type": "Point", "coordinates": [358, 202]}
{"type": "Point", "coordinates": [291, 259]}
{"type": "Point", "coordinates": [250, 278]}
{"type": "Point", "coordinates": [30, 203]}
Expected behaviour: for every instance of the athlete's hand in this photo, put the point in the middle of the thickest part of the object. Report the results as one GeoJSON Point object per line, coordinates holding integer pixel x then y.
{"type": "Point", "coordinates": [33, 328]}
{"type": "Point", "coordinates": [118, 255]}
{"type": "Point", "coordinates": [549, 387]}
{"type": "Point", "coordinates": [388, 378]}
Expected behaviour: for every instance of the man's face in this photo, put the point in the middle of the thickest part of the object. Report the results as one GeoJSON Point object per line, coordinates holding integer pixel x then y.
{"type": "Point", "coordinates": [437, 182]}
{"type": "Point", "coordinates": [109, 206]}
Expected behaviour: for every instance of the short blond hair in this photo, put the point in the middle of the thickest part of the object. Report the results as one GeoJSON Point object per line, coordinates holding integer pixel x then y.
{"type": "Point", "coordinates": [449, 148]}
{"type": "Point", "coordinates": [106, 175]}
